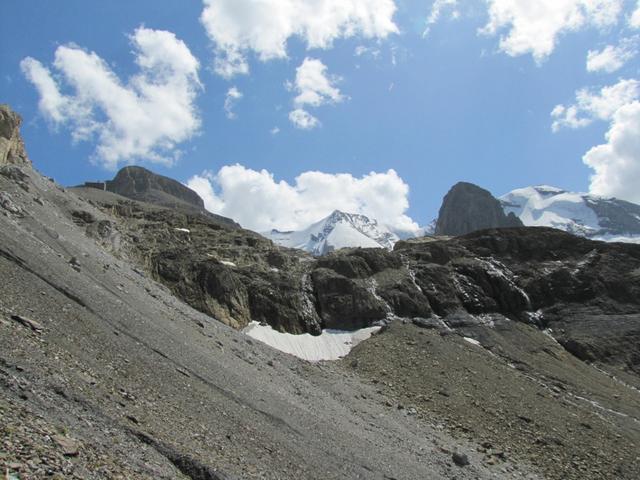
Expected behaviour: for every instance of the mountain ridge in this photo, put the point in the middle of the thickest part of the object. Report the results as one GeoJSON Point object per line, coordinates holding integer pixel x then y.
{"type": "Point", "coordinates": [338, 230]}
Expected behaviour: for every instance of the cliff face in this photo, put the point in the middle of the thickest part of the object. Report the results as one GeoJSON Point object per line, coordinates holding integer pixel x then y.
{"type": "Point", "coordinates": [141, 184]}
{"type": "Point", "coordinates": [12, 151]}
{"type": "Point", "coordinates": [467, 208]}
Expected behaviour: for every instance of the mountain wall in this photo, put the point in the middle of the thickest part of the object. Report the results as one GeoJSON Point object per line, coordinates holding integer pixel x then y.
{"type": "Point", "coordinates": [467, 208]}
{"type": "Point", "coordinates": [12, 150]}
{"type": "Point", "coordinates": [138, 183]}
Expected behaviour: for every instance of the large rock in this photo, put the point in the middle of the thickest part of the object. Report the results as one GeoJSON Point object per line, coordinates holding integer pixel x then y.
{"type": "Point", "coordinates": [12, 151]}
{"type": "Point", "coordinates": [467, 208]}
{"type": "Point", "coordinates": [141, 184]}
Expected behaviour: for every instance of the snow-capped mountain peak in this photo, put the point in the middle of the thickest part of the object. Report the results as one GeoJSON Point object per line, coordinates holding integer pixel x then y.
{"type": "Point", "coordinates": [591, 216]}
{"type": "Point", "coordinates": [338, 230]}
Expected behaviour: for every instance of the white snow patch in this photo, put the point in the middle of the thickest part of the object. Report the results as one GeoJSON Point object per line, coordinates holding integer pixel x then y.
{"type": "Point", "coordinates": [472, 341]}
{"type": "Point", "coordinates": [330, 345]}
{"type": "Point", "coordinates": [228, 263]}
{"type": "Point", "coordinates": [186, 230]}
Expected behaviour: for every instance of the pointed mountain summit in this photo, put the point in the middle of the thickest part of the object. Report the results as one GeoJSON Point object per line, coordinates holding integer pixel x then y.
{"type": "Point", "coordinates": [338, 230]}
{"type": "Point", "coordinates": [467, 208]}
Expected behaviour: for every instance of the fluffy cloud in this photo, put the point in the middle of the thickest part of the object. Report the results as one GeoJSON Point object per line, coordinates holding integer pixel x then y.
{"type": "Point", "coordinates": [616, 163]}
{"type": "Point", "coordinates": [233, 95]}
{"type": "Point", "coordinates": [591, 105]}
{"type": "Point", "coordinates": [634, 20]}
{"type": "Point", "coordinates": [303, 120]}
{"type": "Point", "coordinates": [612, 57]}
{"type": "Point", "coordinates": [143, 119]}
{"type": "Point", "coordinates": [314, 88]}
{"type": "Point", "coordinates": [258, 201]}
{"type": "Point", "coordinates": [438, 7]}
{"type": "Point", "coordinates": [264, 27]}
{"type": "Point", "coordinates": [534, 26]}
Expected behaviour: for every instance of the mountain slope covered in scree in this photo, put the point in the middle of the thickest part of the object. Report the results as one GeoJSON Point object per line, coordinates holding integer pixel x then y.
{"type": "Point", "coordinates": [507, 353]}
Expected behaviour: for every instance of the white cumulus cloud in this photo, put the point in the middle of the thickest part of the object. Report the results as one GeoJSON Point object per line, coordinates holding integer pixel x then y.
{"type": "Point", "coordinates": [314, 88]}
{"type": "Point", "coordinates": [259, 202]}
{"type": "Point", "coordinates": [145, 118]}
{"type": "Point", "coordinates": [232, 97]}
{"type": "Point", "coordinates": [264, 27]}
{"type": "Point", "coordinates": [612, 57]}
{"type": "Point", "coordinates": [595, 105]}
{"type": "Point", "coordinates": [528, 26]}
{"type": "Point", "coordinates": [616, 163]}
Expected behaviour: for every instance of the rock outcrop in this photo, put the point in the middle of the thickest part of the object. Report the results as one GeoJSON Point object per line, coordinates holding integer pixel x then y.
{"type": "Point", "coordinates": [467, 208]}
{"type": "Point", "coordinates": [141, 184]}
{"type": "Point", "coordinates": [12, 150]}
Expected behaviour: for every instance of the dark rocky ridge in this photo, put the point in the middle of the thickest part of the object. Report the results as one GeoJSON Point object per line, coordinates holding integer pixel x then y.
{"type": "Point", "coordinates": [467, 208]}
{"type": "Point", "coordinates": [138, 183]}
{"type": "Point", "coordinates": [12, 151]}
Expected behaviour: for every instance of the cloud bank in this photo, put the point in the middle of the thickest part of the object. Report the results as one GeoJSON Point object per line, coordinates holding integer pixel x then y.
{"type": "Point", "coordinates": [263, 27]}
{"type": "Point", "coordinates": [533, 27]}
{"type": "Point", "coordinates": [145, 118]}
{"type": "Point", "coordinates": [616, 163]}
{"type": "Point", "coordinates": [260, 202]}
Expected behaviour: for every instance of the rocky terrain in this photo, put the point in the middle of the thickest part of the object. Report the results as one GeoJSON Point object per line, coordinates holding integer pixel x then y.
{"type": "Point", "coordinates": [467, 208]}
{"type": "Point", "coordinates": [507, 353]}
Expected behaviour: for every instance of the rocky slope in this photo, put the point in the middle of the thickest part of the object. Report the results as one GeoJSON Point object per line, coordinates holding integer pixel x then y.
{"type": "Point", "coordinates": [105, 374]}
{"type": "Point", "coordinates": [599, 218]}
{"type": "Point", "coordinates": [506, 353]}
{"type": "Point", "coordinates": [467, 208]}
{"type": "Point", "coordinates": [338, 230]}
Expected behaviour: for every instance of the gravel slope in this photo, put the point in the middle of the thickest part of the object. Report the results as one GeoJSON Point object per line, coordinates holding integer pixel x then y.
{"type": "Point", "coordinates": [139, 385]}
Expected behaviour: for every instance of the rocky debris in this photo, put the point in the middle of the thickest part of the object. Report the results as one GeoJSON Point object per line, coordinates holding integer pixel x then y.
{"type": "Point", "coordinates": [69, 446]}
{"type": "Point", "coordinates": [6, 202]}
{"type": "Point", "coordinates": [12, 150]}
{"type": "Point", "coordinates": [82, 217]}
{"type": "Point", "coordinates": [467, 208]}
{"type": "Point", "coordinates": [27, 322]}
{"type": "Point", "coordinates": [460, 459]}
{"type": "Point", "coordinates": [520, 397]}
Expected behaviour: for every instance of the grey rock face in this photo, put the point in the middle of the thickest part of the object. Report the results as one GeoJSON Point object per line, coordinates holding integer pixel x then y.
{"type": "Point", "coordinates": [467, 208]}
{"type": "Point", "coordinates": [12, 151]}
{"type": "Point", "coordinates": [139, 183]}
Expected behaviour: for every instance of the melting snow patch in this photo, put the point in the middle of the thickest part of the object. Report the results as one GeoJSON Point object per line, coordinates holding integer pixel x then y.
{"type": "Point", "coordinates": [186, 230]}
{"type": "Point", "coordinates": [228, 263]}
{"type": "Point", "coordinates": [472, 341]}
{"type": "Point", "coordinates": [330, 345]}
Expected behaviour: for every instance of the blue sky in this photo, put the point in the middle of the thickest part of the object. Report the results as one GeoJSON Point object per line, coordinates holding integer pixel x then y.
{"type": "Point", "coordinates": [455, 104]}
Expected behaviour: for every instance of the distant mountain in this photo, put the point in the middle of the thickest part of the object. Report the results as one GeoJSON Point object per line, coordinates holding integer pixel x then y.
{"type": "Point", "coordinates": [141, 184]}
{"type": "Point", "coordinates": [590, 216]}
{"type": "Point", "coordinates": [338, 230]}
{"type": "Point", "coordinates": [467, 208]}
